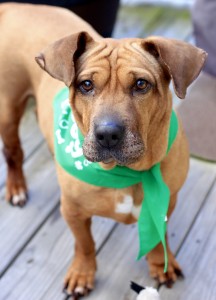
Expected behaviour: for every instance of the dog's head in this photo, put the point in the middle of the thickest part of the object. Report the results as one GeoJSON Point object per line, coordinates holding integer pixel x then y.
{"type": "Point", "coordinates": [119, 92]}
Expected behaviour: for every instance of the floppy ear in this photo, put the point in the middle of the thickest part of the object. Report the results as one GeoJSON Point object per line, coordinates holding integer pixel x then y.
{"type": "Point", "coordinates": [182, 60]}
{"type": "Point", "coordinates": [58, 58]}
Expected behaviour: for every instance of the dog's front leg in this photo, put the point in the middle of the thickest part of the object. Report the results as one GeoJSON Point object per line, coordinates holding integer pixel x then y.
{"type": "Point", "coordinates": [155, 260]}
{"type": "Point", "coordinates": [80, 276]}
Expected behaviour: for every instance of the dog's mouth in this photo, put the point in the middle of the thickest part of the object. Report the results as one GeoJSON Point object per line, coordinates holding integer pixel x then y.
{"type": "Point", "coordinates": [108, 164]}
{"type": "Point", "coordinates": [127, 152]}
{"type": "Point", "coordinates": [108, 161]}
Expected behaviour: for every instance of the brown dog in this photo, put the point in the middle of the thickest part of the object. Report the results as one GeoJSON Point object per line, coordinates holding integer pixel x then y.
{"type": "Point", "coordinates": [125, 82]}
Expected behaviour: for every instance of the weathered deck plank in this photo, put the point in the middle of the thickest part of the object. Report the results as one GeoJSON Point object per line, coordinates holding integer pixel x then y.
{"type": "Point", "coordinates": [198, 257]}
{"type": "Point", "coordinates": [39, 271]}
{"type": "Point", "coordinates": [191, 199]}
{"type": "Point", "coordinates": [18, 225]}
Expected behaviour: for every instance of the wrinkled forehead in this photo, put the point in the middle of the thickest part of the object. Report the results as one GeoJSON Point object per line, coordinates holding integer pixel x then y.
{"type": "Point", "coordinates": [125, 58]}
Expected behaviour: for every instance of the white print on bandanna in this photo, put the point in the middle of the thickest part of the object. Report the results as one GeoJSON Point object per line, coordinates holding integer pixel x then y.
{"type": "Point", "coordinates": [73, 148]}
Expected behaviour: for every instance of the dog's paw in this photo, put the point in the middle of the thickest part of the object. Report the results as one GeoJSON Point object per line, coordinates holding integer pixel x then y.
{"type": "Point", "coordinates": [79, 280]}
{"type": "Point", "coordinates": [16, 190]}
{"type": "Point", "coordinates": [174, 271]}
{"type": "Point", "coordinates": [17, 197]}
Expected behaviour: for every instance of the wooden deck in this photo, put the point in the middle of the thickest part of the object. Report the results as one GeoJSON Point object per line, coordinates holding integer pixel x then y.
{"type": "Point", "coordinates": [36, 246]}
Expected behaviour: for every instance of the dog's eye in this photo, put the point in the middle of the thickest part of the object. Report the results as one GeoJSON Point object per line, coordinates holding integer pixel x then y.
{"type": "Point", "coordinates": [142, 86]}
{"type": "Point", "coordinates": [86, 86]}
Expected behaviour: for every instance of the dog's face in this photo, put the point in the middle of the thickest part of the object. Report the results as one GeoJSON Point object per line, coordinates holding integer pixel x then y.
{"type": "Point", "coordinates": [119, 91]}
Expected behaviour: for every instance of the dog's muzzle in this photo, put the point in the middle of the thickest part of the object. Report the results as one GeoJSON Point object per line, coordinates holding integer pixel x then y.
{"type": "Point", "coordinates": [111, 140]}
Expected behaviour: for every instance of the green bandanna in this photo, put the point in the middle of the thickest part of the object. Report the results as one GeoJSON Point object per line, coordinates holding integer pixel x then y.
{"type": "Point", "coordinates": [68, 152]}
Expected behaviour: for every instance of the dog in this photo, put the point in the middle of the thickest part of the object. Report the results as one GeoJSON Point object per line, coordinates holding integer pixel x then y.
{"type": "Point", "coordinates": [121, 102]}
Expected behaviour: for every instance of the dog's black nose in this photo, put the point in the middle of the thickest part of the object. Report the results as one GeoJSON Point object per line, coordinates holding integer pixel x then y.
{"type": "Point", "coordinates": [109, 133]}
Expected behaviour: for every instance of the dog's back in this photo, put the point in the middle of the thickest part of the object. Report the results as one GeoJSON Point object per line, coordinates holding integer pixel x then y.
{"type": "Point", "coordinates": [25, 30]}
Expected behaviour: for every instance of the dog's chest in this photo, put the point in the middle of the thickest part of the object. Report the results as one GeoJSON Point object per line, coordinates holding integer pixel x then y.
{"type": "Point", "coordinates": [127, 204]}
{"type": "Point", "coordinates": [126, 208]}
{"type": "Point", "coordinates": [122, 205]}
